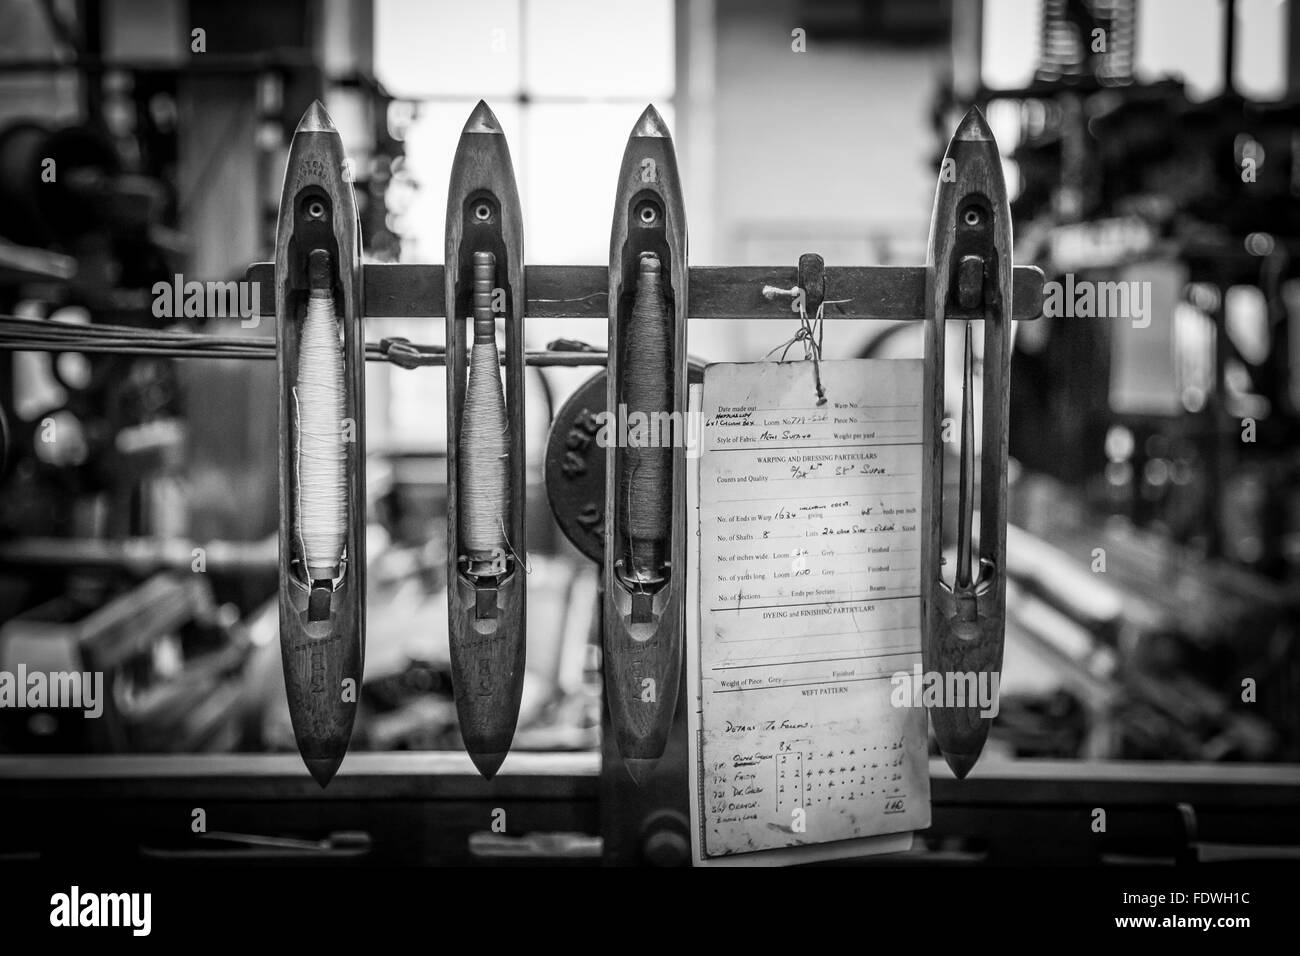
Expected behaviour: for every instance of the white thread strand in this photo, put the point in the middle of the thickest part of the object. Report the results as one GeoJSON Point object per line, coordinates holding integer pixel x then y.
{"type": "Point", "coordinates": [321, 450]}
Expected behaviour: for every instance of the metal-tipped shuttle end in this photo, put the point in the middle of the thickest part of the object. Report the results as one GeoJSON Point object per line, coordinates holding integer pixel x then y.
{"type": "Point", "coordinates": [315, 120]}
{"type": "Point", "coordinates": [323, 769]}
{"type": "Point", "coordinates": [974, 128]}
{"type": "Point", "coordinates": [482, 120]}
{"type": "Point", "coordinates": [640, 769]}
{"type": "Point", "coordinates": [651, 124]}
{"type": "Point", "coordinates": [488, 764]}
{"type": "Point", "coordinates": [960, 764]}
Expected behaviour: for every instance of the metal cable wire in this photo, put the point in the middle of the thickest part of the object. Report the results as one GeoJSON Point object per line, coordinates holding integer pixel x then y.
{"type": "Point", "coordinates": [37, 335]}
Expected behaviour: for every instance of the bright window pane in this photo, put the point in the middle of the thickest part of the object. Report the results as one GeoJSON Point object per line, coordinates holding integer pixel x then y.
{"type": "Point", "coordinates": [599, 48]}
{"type": "Point", "coordinates": [1010, 43]}
{"type": "Point", "coordinates": [1181, 38]}
{"type": "Point", "coordinates": [447, 47]}
{"type": "Point", "coordinates": [1261, 49]}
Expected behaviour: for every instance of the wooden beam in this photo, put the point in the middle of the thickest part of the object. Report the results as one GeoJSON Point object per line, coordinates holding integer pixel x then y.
{"type": "Point", "coordinates": [897, 293]}
{"type": "Point", "coordinates": [433, 775]}
{"type": "Point", "coordinates": [543, 776]}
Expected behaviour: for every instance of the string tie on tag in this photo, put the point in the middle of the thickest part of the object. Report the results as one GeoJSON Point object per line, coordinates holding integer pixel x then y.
{"type": "Point", "coordinates": [810, 334]}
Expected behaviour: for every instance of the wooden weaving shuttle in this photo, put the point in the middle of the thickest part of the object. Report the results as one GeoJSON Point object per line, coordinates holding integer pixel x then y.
{"type": "Point", "coordinates": [969, 268]}
{"type": "Point", "coordinates": [645, 530]}
{"type": "Point", "coordinates": [322, 610]}
{"type": "Point", "coordinates": [486, 591]}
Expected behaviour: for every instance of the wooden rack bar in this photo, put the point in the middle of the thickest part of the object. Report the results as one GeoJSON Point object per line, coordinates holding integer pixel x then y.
{"type": "Point", "coordinates": [1025, 811]}
{"type": "Point", "coordinates": [410, 290]}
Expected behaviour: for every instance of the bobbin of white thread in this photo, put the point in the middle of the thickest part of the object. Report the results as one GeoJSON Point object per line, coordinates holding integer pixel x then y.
{"type": "Point", "coordinates": [484, 481]}
{"type": "Point", "coordinates": [320, 451]}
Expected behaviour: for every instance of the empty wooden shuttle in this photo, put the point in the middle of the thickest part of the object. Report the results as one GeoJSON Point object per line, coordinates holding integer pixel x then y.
{"type": "Point", "coordinates": [969, 269]}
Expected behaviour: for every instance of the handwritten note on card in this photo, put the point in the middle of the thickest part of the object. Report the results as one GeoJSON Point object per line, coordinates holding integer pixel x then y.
{"type": "Point", "coordinates": [808, 599]}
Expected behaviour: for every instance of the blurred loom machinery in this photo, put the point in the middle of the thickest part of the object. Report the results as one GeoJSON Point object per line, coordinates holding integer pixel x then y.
{"type": "Point", "coordinates": [1159, 505]}
{"type": "Point", "coordinates": [113, 497]}
{"type": "Point", "coordinates": [1128, 433]}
